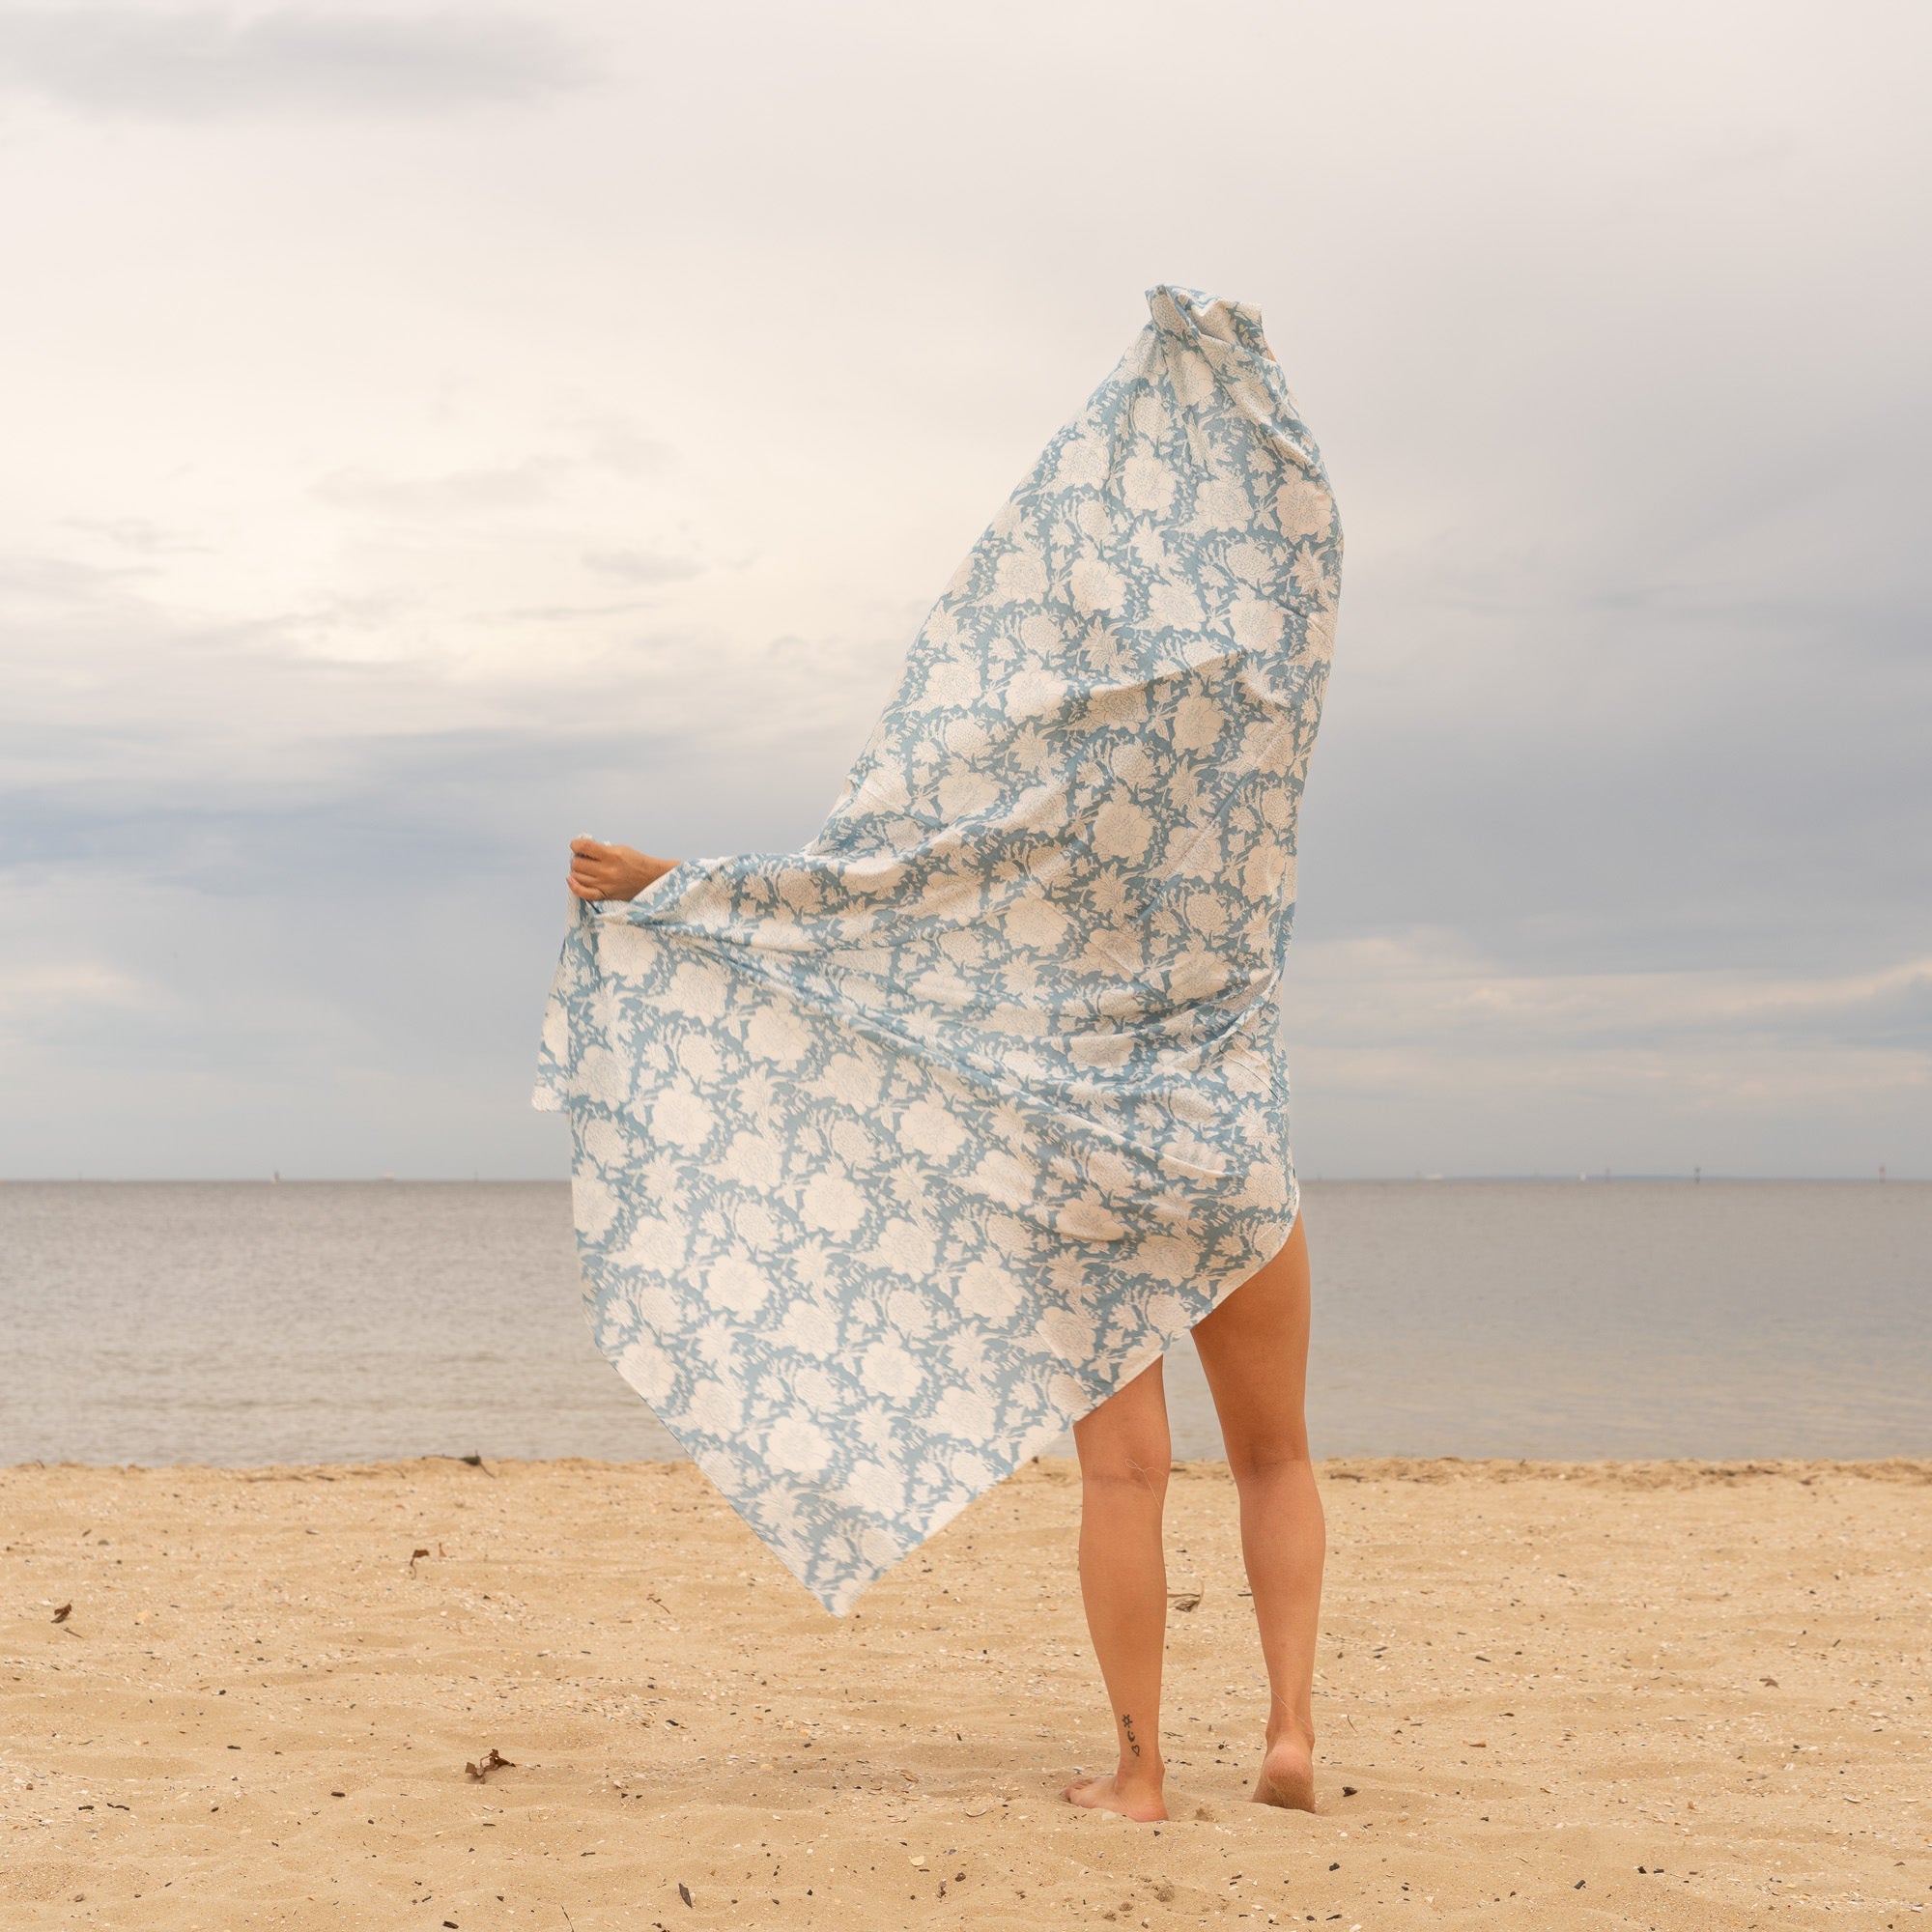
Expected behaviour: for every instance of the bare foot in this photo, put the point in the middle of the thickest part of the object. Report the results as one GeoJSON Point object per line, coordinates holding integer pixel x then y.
{"type": "Point", "coordinates": [1287, 1776]}
{"type": "Point", "coordinates": [1145, 1806]}
{"type": "Point", "coordinates": [600, 871]}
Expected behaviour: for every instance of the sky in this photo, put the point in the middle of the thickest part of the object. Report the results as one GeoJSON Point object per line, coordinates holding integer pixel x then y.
{"type": "Point", "coordinates": [434, 432]}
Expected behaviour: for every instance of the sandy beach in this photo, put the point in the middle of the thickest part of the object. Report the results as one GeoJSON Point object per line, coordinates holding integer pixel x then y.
{"type": "Point", "coordinates": [1646, 1694]}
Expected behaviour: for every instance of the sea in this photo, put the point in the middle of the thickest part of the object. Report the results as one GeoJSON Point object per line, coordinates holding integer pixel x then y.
{"type": "Point", "coordinates": [249, 1324]}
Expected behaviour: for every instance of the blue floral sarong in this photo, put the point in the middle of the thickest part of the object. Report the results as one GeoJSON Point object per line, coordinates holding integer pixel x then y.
{"type": "Point", "coordinates": [894, 1155]}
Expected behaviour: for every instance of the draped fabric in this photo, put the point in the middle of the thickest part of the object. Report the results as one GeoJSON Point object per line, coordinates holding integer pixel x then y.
{"type": "Point", "coordinates": [896, 1154]}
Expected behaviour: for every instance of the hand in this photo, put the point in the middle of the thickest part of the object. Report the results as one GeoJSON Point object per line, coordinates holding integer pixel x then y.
{"type": "Point", "coordinates": [600, 871]}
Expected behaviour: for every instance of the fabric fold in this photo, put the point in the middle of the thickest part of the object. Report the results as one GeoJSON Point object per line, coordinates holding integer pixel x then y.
{"type": "Point", "coordinates": [893, 1156]}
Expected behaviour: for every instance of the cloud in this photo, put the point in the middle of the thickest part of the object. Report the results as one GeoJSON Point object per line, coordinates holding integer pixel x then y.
{"type": "Point", "coordinates": [1419, 1052]}
{"type": "Point", "coordinates": [511, 486]}
{"type": "Point", "coordinates": [1428, 988]}
{"type": "Point", "coordinates": [643, 566]}
{"type": "Point", "coordinates": [30, 993]}
{"type": "Point", "coordinates": [209, 65]}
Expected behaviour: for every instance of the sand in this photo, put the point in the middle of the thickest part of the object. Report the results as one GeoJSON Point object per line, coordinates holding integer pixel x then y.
{"type": "Point", "coordinates": [1662, 1695]}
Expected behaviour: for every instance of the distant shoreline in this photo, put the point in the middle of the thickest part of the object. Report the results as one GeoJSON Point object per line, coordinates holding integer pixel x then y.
{"type": "Point", "coordinates": [1628, 1472]}
{"type": "Point", "coordinates": [1315, 1179]}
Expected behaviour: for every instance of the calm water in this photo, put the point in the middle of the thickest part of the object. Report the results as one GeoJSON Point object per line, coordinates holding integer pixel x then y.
{"type": "Point", "coordinates": [248, 1323]}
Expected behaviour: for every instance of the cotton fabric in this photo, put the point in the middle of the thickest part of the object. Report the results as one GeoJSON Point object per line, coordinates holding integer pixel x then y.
{"type": "Point", "coordinates": [893, 1156]}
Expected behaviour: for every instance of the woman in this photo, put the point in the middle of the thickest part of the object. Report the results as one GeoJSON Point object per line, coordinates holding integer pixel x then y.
{"type": "Point", "coordinates": [896, 1155]}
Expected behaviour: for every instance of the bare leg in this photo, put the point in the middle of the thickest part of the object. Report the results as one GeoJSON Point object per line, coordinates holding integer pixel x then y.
{"type": "Point", "coordinates": [1123, 1462]}
{"type": "Point", "coordinates": [1255, 1349]}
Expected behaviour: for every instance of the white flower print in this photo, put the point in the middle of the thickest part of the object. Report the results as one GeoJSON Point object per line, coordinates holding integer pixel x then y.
{"type": "Point", "coordinates": [1173, 606]}
{"type": "Point", "coordinates": [1096, 584]}
{"type": "Point", "coordinates": [1256, 625]}
{"type": "Point", "coordinates": [1082, 462]}
{"type": "Point", "coordinates": [1036, 923]}
{"type": "Point", "coordinates": [890, 1369]}
{"type": "Point", "coordinates": [808, 1328]}
{"type": "Point", "coordinates": [1147, 485]}
{"type": "Point", "coordinates": [833, 1202]}
{"type": "Point", "coordinates": [932, 1129]}
{"type": "Point", "coordinates": [906, 1249]}
{"type": "Point", "coordinates": [796, 1445]}
{"type": "Point", "coordinates": [1121, 829]}
{"type": "Point", "coordinates": [736, 1283]}
{"type": "Point", "coordinates": [679, 1116]}
{"type": "Point", "coordinates": [1021, 577]}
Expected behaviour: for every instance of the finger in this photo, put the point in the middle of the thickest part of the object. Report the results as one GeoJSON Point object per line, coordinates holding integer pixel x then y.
{"type": "Point", "coordinates": [589, 845]}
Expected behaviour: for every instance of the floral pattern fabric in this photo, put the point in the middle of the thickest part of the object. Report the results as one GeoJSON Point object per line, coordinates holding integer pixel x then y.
{"type": "Point", "coordinates": [893, 1156]}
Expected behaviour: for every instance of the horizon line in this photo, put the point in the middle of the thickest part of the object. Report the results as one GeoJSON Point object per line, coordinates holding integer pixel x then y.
{"type": "Point", "coordinates": [1599, 1178]}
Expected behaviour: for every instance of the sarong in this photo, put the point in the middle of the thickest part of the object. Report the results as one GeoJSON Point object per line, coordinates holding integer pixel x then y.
{"type": "Point", "coordinates": [894, 1155]}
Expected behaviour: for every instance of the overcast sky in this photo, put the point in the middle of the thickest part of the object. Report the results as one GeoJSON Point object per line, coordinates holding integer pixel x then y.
{"type": "Point", "coordinates": [434, 432]}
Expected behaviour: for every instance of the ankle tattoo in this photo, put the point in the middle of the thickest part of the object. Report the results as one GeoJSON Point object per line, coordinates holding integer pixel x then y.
{"type": "Point", "coordinates": [1128, 1725]}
